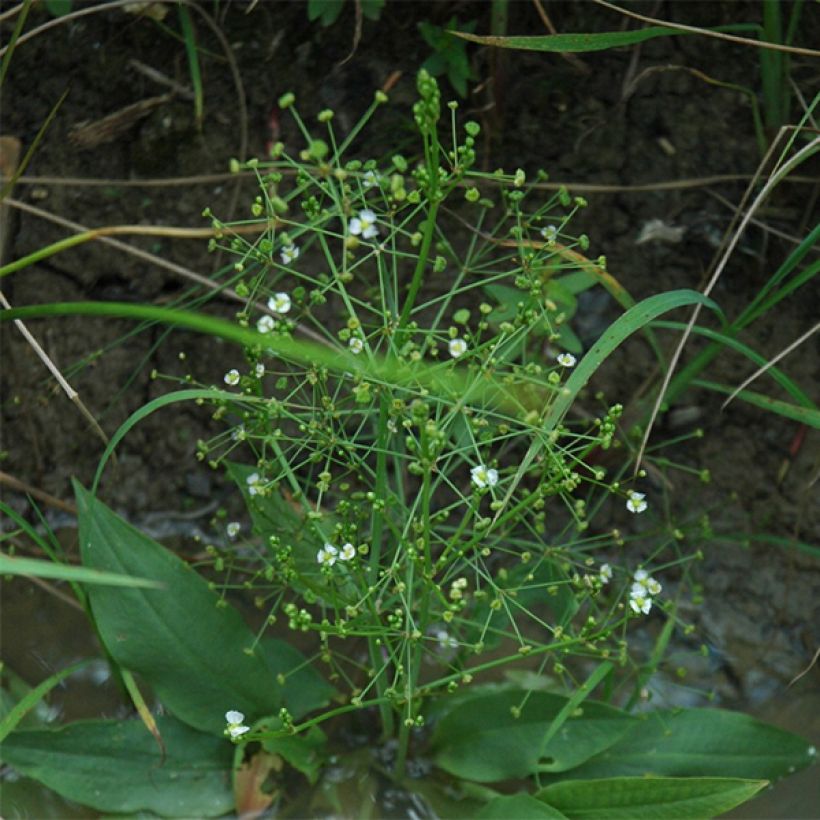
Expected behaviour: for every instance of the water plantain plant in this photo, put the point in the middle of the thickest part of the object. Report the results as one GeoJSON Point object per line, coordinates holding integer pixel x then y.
{"type": "Point", "coordinates": [445, 594]}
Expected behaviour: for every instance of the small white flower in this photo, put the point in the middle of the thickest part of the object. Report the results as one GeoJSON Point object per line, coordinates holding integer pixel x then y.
{"type": "Point", "coordinates": [289, 253]}
{"type": "Point", "coordinates": [255, 484]}
{"type": "Point", "coordinates": [635, 503]}
{"type": "Point", "coordinates": [364, 224]}
{"type": "Point", "coordinates": [566, 359]}
{"type": "Point", "coordinates": [457, 347]}
{"type": "Point", "coordinates": [605, 573]}
{"type": "Point", "coordinates": [369, 179]}
{"type": "Point", "coordinates": [484, 476]}
{"type": "Point", "coordinates": [811, 751]}
{"type": "Point", "coordinates": [233, 530]}
{"type": "Point", "coordinates": [232, 377]}
{"type": "Point", "coordinates": [348, 552]}
{"type": "Point", "coordinates": [327, 555]}
{"type": "Point", "coordinates": [279, 303]}
{"type": "Point", "coordinates": [266, 324]}
{"type": "Point", "coordinates": [259, 370]}
{"type": "Point", "coordinates": [445, 640]}
{"type": "Point", "coordinates": [239, 434]}
{"type": "Point", "coordinates": [356, 345]}
{"type": "Point", "coordinates": [639, 600]}
{"type": "Point", "coordinates": [653, 587]}
{"type": "Point", "coordinates": [392, 426]}
{"type": "Point", "coordinates": [235, 727]}
{"type": "Point", "coordinates": [549, 233]}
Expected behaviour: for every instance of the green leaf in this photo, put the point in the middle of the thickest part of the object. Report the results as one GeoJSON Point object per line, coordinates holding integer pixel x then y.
{"type": "Point", "coordinates": [573, 42]}
{"type": "Point", "coordinates": [59, 8]}
{"type": "Point", "coordinates": [326, 11]}
{"type": "Point", "coordinates": [13, 717]}
{"type": "Point", "coordinates": [372, 9]}
{"type": "Point", "coordinates": [187, 646]}
{"type": "Point", "coordinates": [116, 766]}
{"type": "Point", "coordinates": [804, 415]}
{"type": "Point", "coordinates": [480, 739]}
{"type": "Point", "coordinates": [301, 751]}
{"type": "Point", "coordinates": [708, 742]}
{"type": "Point", "coordinates": [652, 798]}
{"type": "Point", "coordinates": [50, 569]}
{"type": "Point", "coordinates": [597, 41]}
{"type": "Point", "coordinates": [521, 806]}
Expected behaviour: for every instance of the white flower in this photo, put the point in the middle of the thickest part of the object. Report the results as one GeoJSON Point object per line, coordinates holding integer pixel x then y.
{"type": "Point", "coordinates": [645, 584]}
{"type": "Point", "coordinates": [364, 224]}
{"type": "Point", "coordinates": [233, 530]}
{"type": "Point", "coordinates": [549, 233]}
{"type": "Point", "coordinates": [566, 359]}
{"type": "Point", "coordinates": [484, 476]}
{"type": "Point", "coordinates": [239, 434]}
{"type": "Point", "coordinates": [259, 370]}
{"type": "Point", "coordinates": [279, 303]}
{"type": "Point", "coordinates": [255, 484]}
{"type": "Point", "coordinates": [356, 345]}
{"type": "Point", "coordinates": [457, 347]}
{"type": "Point", "coordinates": [605, 573]}
{"type": "Point", "coordinates": [445, 640]}
{"type": "Point", "coordinates": [232, 377]}
{"type": "Point", "coordinates": [289, 253]}
{"type": "Point", "coordinates": [266, 324]}
{"type": "Point", "coordinates": [635, 503]}
{"type": "Point", "coordinates": [235, 727]}
{"type": "Point", "coordinates": [348, 552]}
{"type": "Point", "coordinates": [369, 179]}
{"type": "Point", "coordinates": [327, 555]}
{"type": "Point", "coordinates": [639, 600]}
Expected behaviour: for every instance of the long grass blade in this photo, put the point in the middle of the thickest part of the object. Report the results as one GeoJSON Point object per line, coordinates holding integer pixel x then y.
{"type": "Point", "coordinates": [10, 565]}
{"type": "Point", "coordinates": [32, 698]}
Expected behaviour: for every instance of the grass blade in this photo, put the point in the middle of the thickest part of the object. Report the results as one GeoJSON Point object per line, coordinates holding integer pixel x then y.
{"type": "Point", "coordinates": [32, 698]}
{"type": "Point", "coordinates": [10, 565]}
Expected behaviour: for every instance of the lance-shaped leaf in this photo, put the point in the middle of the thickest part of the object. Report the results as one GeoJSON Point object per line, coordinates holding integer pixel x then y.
{"type": "Point", "coordinates": [195, 651]}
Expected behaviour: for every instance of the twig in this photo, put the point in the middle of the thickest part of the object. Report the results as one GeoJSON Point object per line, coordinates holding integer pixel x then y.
{"type": "Point", "coordinates": [72, 394]}
{"type": "Point", "coordinates": [806, 52]}
{"type": "Point", "coordinates": [41, 495]}
{"type": "Point", "coordinates": [773, 180]}
{"type": "Point", "coordinates": [585, 187]}
{"type": "Point", "coordinates": [785, 352]}
{"type": "Point", "coordinates": [158, 77]}
{"type": "Point", "coordinates": [104, 235]}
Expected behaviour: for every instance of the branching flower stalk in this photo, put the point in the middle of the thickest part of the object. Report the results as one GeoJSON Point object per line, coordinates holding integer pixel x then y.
{"type": "Point", "coordinates": [392, 518]}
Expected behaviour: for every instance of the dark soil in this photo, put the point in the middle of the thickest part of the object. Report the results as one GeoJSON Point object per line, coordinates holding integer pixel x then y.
{"type": "Point", "coordinates": [760, 615]}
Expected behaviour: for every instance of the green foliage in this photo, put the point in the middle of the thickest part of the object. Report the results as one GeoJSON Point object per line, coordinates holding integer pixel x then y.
{"type": "Point", "coordinates": [59, 8]}
{"type": "Point", "coordinates": [420, 500]}
{"type": "Point", "coordinates": [190, 646]}
{"type": "Point", "coordinates": [700, 742]}
{"type": "Point", "coordinates": [507, 740]}
{"type": "Point", "coordinates": [656, 798]}
{"type": "Point", "coordinates": [449, 56]}
{"type": "Point", "coordinates": [328, 11]}
{"type": "Point", "coordinates": [116, 766]}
